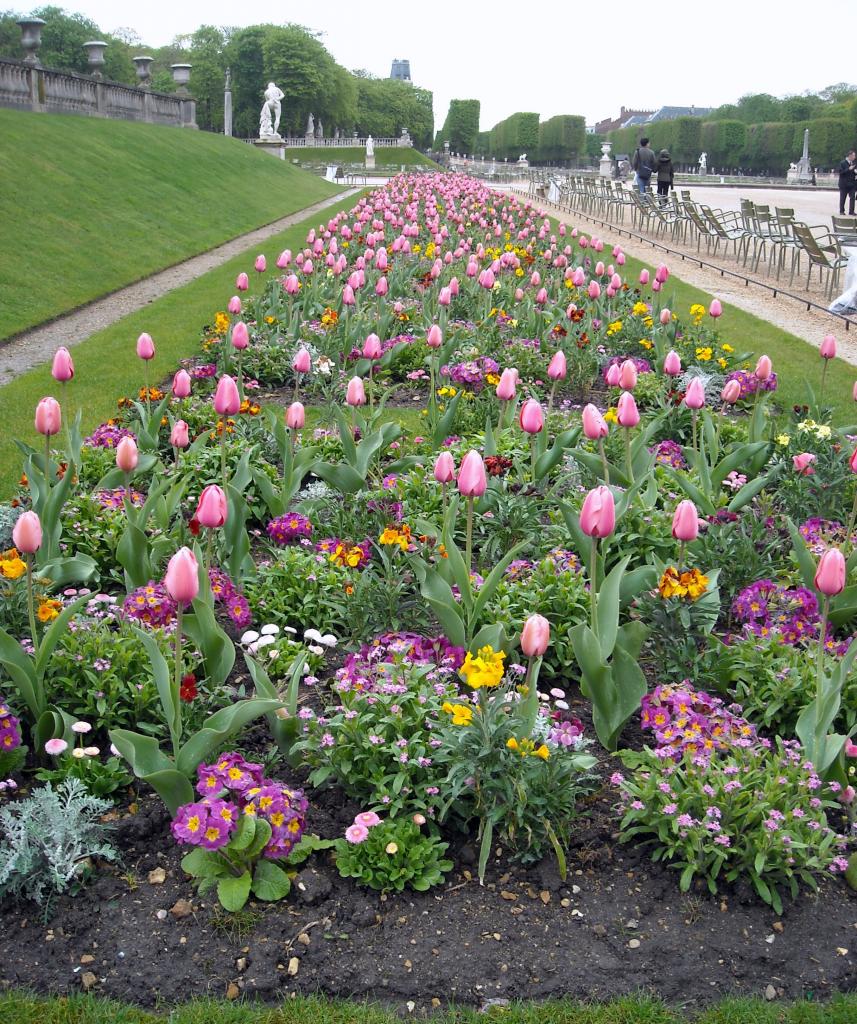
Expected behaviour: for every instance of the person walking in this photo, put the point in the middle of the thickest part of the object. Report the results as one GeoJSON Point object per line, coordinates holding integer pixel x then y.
{"type": "Point", "coordinates": [644, 164]}
{"type": "Point", "coordinates": [665, 175]}
{"type": "Point", "coordinates": [847, 182]}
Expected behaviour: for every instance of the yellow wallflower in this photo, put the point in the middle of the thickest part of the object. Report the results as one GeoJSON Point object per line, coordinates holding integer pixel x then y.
{"type": "Point", "coordinates": [12, 567]}
{"type": "Point", "coordinates": [395, 535]}
{"type": "Point", "coordinates": [727, 348]}
{"type": "Point", "coordinates": [527, 748]}
{"type": "Point", "coordinates": [782, 439]}
{"type": "Point", "coordinates": [48, 610]}
{"type": "Point", "coordinates": [645, 343]}
{"type": "Point", "coordinates": [461, 713]}
{"type": "Point", "coordinates": [610, 415]}
{"type": "Point", "coordinates": [221, 323]}
{"type": "Point", "coordinates": [486, 669]}
{"type": "Point", "coordinates": [614, 328]}
{"type": "Point", "coordinates": [704, 354]}
{"type": "Point", "coordinates": [640, 309]}
{"type": "Point", "coordinates": [721, 362]}
{"type": "Point", "coordinates": [519, 271]}
{"type": "Point", "coordinates": [692, 584]}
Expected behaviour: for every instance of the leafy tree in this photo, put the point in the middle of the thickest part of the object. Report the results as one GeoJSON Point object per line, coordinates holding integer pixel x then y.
{"type": "Point", "coordinates": [461, 127]}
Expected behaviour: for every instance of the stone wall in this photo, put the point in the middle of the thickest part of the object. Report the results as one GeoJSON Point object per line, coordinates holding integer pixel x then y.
{"type": "Point", "coordinates": [42, 90]}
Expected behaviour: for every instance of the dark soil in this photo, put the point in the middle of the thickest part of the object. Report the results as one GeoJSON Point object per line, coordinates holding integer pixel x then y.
{"type": "Point", "coordinates": [617, 925]}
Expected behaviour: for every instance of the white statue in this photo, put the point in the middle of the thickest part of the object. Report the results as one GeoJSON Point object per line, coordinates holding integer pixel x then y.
{"type": "Point", "coordinates": [370, 146]}
{"type": "Point", "coordinates": [703, 163]}
{"type": "Point", "coordinates": [319, 130]}
{"type": "Point", "coordinates": [310, 125]}
{"type": "Point", "coordinates": [269, 120]}
{"type": "Point", "coordinates": [522, 158]}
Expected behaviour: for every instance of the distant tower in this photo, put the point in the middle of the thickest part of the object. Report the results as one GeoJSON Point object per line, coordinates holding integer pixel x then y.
{"type": "Point", "coordinates": [401, 70]}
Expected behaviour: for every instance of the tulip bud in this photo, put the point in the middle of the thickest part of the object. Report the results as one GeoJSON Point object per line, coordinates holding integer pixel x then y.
{"type": "Point", "coordinates": [535, 636]}
{"type": "Point", "coordinates": [662, 273]}
{"type": "Point", "coordinates": [372, 347]}
{"type": "Point", "coordinates": [62, 368]}
{"type": "Point", "coordinates": [628, 375]}
{"type": "Point", "coordinates": [234, 305]}
{"type": "Point", "coordinates": [240, 336]}
{"type": "Point", "coordinates": [763, 368]}
{"type": "Point", "coordinates": [507, 385]}
{"type": "Point", "coordinates": [48, 417]}
{"type": "Point", "coordinates": [685, 521]}
{"type": "Point", "coordinates": [284, 259]}
{"type": "Point", "coordinates": [212, 508]}
{"type": "Point", "coordinates": [355, 394]}
{"type": "Point", "coordinates": [852, 462]}
{"type": "Point", "coordinates": [227, 401]}
{"type": "Point", "coordinates": [532, 419]}
{"type": "Point", "coordinates": [302, 362]}
{"type": "Point", "coordinates": [295, 416]}
{"type": "Point", "coordinates": [672, 364]}
{"type": "Point", "coordinates": [242, 282]}
{"type": "Point", "coordinates": [594, 290]}
{"type": "Point", "coordinates": [598, 513]}
{"type": "Point", "coordinates": [444, 468]}
{"type": "Point", "coordinates": [828, 347]}
{"type": "Point", "coordinates": [292, 284]}
{"type": "Point", "coordinates": [830, 575]}
{"type": "Point", "coordinates": [644, 276]}
{"type": "Point", "coordinates": [803, 463]}
{"type": "Point", "coordinates": [472, 481]}
{"type": "Point", "coordinates": [627, 414]}
{"type": "Point", "coordinates": [181, 384]}
{"type": "Point", "coordinates": [558, 368]}
{"type": "Point", "coordinates": [715, 309]}
{"type": "Point", "coordinates": [445, 297]}
{"type": "Point", "coordinates": [434, 338]}
{"type": "Point", "coordinates": [731, 392]}
{"type": "Point", "coordinates": [126, 455]}
{"type": "Point", "coordinates": [179, 436]}
{"type": "Point", "coordinates": [594, 424]}
{"type": "Point", "coordinates": [145, 347]}
{"type": "Point", "coordinates": [665, 317]}
{"type": "Point", "coordinates": [260, 265]}
{"type": "Point", "coordinates": [695, 395]}
{"type": "Point", "coordinates": [27, 533]}
{"type": "Point", "coordinates": [612, 376]}
{"type": "Point", "coordinates": [182, 578]}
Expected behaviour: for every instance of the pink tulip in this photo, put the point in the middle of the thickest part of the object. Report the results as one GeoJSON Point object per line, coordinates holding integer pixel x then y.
{"type": "Point", "coordinates": [644, 276]}
{"type": "Point", "coordinates": [830, 574]}
{"type": "Point", "coordinates": [212, 508]}
{"type": "Point", "coordinates": [307, 268]}
{"type": "Point", "coordinates": [598, 513]}
{"type": "Point", "coordinates": [656, 285]}
{"type": "Point", "coordinates": [454, 287]}
{"type": "Point", "coordinates": [242, 282]}
{"type": "Point", "coordinates": [182, 578]}
{"type": "Point", "coordinates": [519, 294]}
{"type": "Point", "coordinates": [628, 375]}
{"type": "Point", "coordinates": [627, 414]}
{"type": "Point", "coordinates": [507, 385]}
{"type": "Point", "coordinates": [828, 347]}
{"type": "Point", "coordinates": [292, 284]}
{"type": "Point", "coordinates": [434, 338]}
{"type": "Point", "coordinates": [261, 264]}
{"type": "Point", "coordinates": [181, 384]}
{"type": "Point", "coordinates": [445, 297]}
{"type": "Point", "coordinates": [472, 481]}
{"type": "Point", "coordinates": [850, 749]}
{"type": "Point", "coordinates": [355, 394]}
{"type": "Point", "coordinates": [381, 287]}
{"type": "Point", "coordinates": [685, 522]}
{"type": "Point", "coordinates": [302, 362]}
{"type": "Point", "coordinates": [145, 347]}
{"type": "Point", "coordinates": [731, 392]}
{"type": "Point", "coordinates": [578, 278]}
{"type": "Point", "coordinates": [763, 368]}
{"type": "Point", "coordinates": [594, 290]}
{"type": "Point", "coordinates": [295, 416]}
{"type": "Point", "coordinates": [348, 296]}
{"type": "Point", "coordinates": [541, 297]}
{"type": "Point", "coordinates": [535, 636]}
{"type": "Point", "coordinates": [662, 273]}
{"type": "Point", "coordinates": [715, 309]}
{"type": "Point", "coordinates": [27, 533]}
{"type": "Point", "coordinates": [226, 399]}
{"type": "Point", "coordinates": [372, 347]}
{"type": "Point", "coordinates": [672, 364]}
{"type": "Point", "coordinates": [847, 795]}
{"type": "Point", "coordinates": [240, 336]}
{"type": "Point", "coordinates": [665, 317]}
{"type": "Point", "coordinates": [532, 419]}
{"type": "Point", "coordinates": [803, 463]}
{"type": "Point", "coordinates": [62, 368]}
{"type": "Point", "coordinates": [852, 462]}
{"type": "Point", "coordinates": [179, 436]}
{"type": "Point", "coordinates": [284, 259]}
{"type": "Point", "coordinates": [558, 367]}
{"type": "Point", "coordinates": [444, 468]}
{"type": "Point", "coordinates": [48, 417]}
{"type": "Point", "coordinates": [854, 391]}
{"type": "Point", "coordinates": [612, 376]}
{"type": "Point", "coordinates": [695, 395]}
{"type": "Point", "coordinates": [234, 306]}
{"type": "Point", "coordinates": [594, 424]}
{"type": "Point", "coordinates": [126, 455]}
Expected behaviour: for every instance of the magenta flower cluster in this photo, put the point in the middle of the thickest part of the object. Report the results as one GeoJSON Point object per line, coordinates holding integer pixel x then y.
{"type": "Point", "coordinates": [471, 374]}
{"type": "Point", "coordinates": [821, 533]}
{"type": "Point", "coordinates": [642, 365]}
{"type": "Point", "coordinates": [10, 729]}
{"type": "Point", "coordinates": [107, 435]}
{"type": "Point", "coordinates": [116, 498]}
{"type": "Point", "coordinates": [668, 453]}
{"type": "Point", "coordinates": [288, 528]}
{"type": "Point", "coordinates": [224, 592]}
{"type": "Point", "coordinates": [232, 787]}
{"type": "Point", "coordinates": [688, 721]}
{"type": "Point", "coordinates": [750, 383]}
{"type": "Point", "coordinates": [150, 605]}
{"type": "Point", "coordinates": [765, 607]}
{"type": "Point", "coordinates": [358, 672]}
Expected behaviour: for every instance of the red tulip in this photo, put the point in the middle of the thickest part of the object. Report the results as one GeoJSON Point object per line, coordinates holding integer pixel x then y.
{"type": "Point", "coordinates": [598, 513]}
{"type": "Point", "coordinates": [535, 636]}
{"type": "Point", "coordinates": [212, 508]}
{"type": "Point", "coordinates": [48, 417]}
{"type": "Point", "coordinates": [27, 533]}
{"type": "Point", "coordinates": [182, 578]}
{"type": "Point", "coordinates": [830, 574]}
{"type": "Point", "coordinates": [685, 521]}
{"type": "Point", "coordinates": [145, 347]}
{"type": "Point", "coordinates": [472, 481]}
{"type": "Point", "coordinates": [62, 368]}
{"type": "Point", "coordinates": [227, 401]}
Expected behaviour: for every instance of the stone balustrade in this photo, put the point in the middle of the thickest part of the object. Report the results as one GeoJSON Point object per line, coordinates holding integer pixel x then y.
{"type": "Point", "coordinates": [344, 141]}
{"type": "Point", "coordinates": [29, 87]}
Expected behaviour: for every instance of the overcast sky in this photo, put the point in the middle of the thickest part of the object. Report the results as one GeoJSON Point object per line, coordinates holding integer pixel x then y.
{"type": "Point", "coordinates": [553, 56]}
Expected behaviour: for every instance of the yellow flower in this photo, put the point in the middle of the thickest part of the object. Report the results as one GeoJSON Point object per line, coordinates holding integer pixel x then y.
{"type": "Point", "coordinates": [512, 743]}
{"type": "Point", "coordinates": [727, 348]}
{"type": "Point", "coordinates": [721, 362]}
{"type": "Point", "coordinates": [221, 323]}
{"type": "Point", "coordinates": [542, 752]}
{"type": "Point", "coordinates": [782, 439]}
{"type": "Point", "coordinates": [492, 378]}
{"type": "Point", "coordinates": [611, 416]}
{"type": "Point", "coordinates": [822, 431]}
{"type": "Point", "coordinates": [669, 585]}
{"type": "Point", "coordinates": [461, 713]}
{"type": "Point", "coordinates": [12, 567]}
{"type": "Point", "coordinates": [519, 271]}
{"type": "Point", "coordinates": [704, 354]}
{"type": "Point", "coordinates": [697, 310]}
{"type": "Point", "coordinates": [486, 669]}
{"type": "Point", "coordinates": [640, 309]}
{"type": "Point", "coordinates": [394, 535]}
{"type": "Point", "coordinates": [645, 343]}
{"type": "Point", "coordinates": [48, 610]}
{"type": "Point", "coordinates": [695, 583]}
{"type": "Point", "coordinates": [614, 328]}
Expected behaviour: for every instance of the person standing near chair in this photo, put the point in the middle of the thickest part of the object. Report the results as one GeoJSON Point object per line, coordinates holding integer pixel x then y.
{"type": "Point", "coordinates": [847, 182]}
{"type": "Point", "coordinates": [644, 164]}
{"type": "Point", "coordinates": [665, 174]}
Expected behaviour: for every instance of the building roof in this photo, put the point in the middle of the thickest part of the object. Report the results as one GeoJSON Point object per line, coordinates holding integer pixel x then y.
{"type": "Point", "coordinates": [610, 124]}
{"type": "Point", "coordinates": [671, 113]}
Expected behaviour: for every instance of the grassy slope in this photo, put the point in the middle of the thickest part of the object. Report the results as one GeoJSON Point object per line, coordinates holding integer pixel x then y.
{"type": "Point", "coordinates": [89, 205]}
{"type": "Point", "coordinates": [386, 156]}
{"type": "Point", "coordinates": [106, 365]}
{"type": "Point", "coordinates": [24, 1009]}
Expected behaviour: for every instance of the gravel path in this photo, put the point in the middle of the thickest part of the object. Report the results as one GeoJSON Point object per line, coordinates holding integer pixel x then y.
{"type": "Point", "coordinates": [33, 347]}
{"type": "Point", "coordinates": [785, 312]}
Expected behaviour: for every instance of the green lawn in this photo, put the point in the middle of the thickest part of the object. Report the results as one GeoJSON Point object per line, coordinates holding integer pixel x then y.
{"type": "Point", "coordinates": [23, 1009]}
{"type": "Point", "coordinates": [89, 205]}
{"type": "Point", "coordinates": [106, 364]}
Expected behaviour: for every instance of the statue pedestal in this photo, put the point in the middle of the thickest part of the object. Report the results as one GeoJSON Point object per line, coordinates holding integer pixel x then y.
{"type": "Point", "coordinates": [370, 162]}
{"type": "Point", "coordinates": [276, 147]}
{"type": "Point", "coordinates": [605, 167]}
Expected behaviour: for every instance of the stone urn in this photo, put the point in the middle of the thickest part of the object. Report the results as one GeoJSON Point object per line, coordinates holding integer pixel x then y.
{"type": "Point", "coordinates": [144, 70]}
{"type": "Point", "coordinates": [181, 76]}
{"type": "Point", "coordinates": [95, 55]}
{"type": "Point", "coordinates": [31, 38]}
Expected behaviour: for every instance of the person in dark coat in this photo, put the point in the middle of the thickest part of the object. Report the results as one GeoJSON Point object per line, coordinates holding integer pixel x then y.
{"type": "Point", "coordinates": [847, 183]}
{"type": "Point", "coordinates": [644, 164]}
{"type": "Point", "coordinates": [665, 174]}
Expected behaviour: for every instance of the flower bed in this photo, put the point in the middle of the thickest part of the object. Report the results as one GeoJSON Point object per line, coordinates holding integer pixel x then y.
{"type": "Point", "coordinates": [320, 669]}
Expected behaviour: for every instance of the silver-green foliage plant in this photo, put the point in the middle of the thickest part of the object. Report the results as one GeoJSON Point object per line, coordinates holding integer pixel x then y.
{"type": "Point", "coordinates": [48, 838]}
